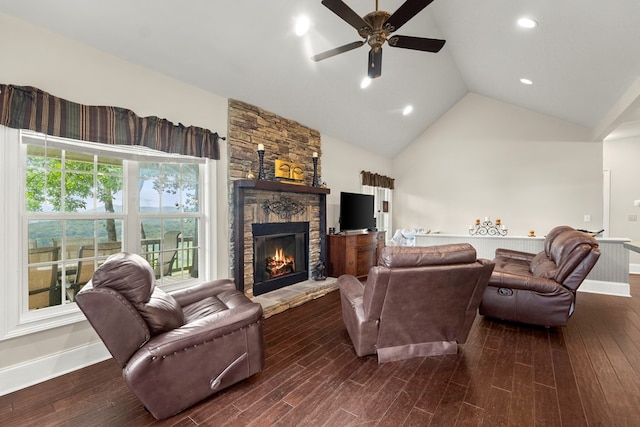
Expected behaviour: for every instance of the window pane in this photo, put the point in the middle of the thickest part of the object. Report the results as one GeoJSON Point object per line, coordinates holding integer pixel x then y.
{"type": "Point", "coordinates": [44, 233]}
{"type": "Point", "coordinates": [109, 230]}
{"type": "Point", "coordinates": [190, 197]}
{"type": "Point", "coordinates": [43, 179]}
{"type": "Point", "coordinates": [151, 232]}
{"type": "Point", "coordinates": [170, 197]}
{"type": "Point", "coordinates": [190, 173]}
{"type": "Point", "coordinates": [78, 233]}
{"type": "Point", "coordinates": [149, 197]}
{"type": "Point", "coordinates": [44, 290]}
{"type": "Point", "coordinates": [79, 189]}
{"type": "Point", "coordinates": [110, 193]}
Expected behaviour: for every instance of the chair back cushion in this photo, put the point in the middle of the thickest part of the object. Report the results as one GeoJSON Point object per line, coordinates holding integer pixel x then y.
{"type": "Point", "coordinates": [129, 274]}
{"type": "Point", "coordinates": [431, 304]}
{"type": "Point", "coordinates": [416, 256]}
{"type": "Point", "coordinates": [568, 258]}
{"type": "Point", "coordinates": [132, 276]}
{"type": "Point", "coordinates": [551, 236]}
{"type": "Point", "coordinates": [399, 257]}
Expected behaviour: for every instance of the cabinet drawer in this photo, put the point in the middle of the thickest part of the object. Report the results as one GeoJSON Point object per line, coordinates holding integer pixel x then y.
{"type": "Point", "coordinates": [368, 238]}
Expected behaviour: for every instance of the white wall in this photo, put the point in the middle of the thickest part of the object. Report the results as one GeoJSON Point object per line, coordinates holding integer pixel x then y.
{"type": "Point", "coordinates": [341, 165]}
{"type": "Point", "coordinates": [65, 68]}
{"type": "Point", "coordinates": [485, 158]}
{"type": "Point", "coordinates": [621, 157]}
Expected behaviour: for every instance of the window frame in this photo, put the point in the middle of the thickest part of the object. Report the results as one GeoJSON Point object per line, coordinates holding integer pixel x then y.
{"type": "Point", "coordinates": [16, 319]}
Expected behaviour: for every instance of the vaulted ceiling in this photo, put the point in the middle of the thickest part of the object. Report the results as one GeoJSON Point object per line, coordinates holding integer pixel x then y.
{"type": "Point", "coordinates": [583, 58]}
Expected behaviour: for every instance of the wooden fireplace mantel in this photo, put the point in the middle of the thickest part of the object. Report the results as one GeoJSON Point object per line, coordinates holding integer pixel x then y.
{"type": "Point", "coordinates": [278, 186]}
{"type": "Point", "coordinates": [240, 186]}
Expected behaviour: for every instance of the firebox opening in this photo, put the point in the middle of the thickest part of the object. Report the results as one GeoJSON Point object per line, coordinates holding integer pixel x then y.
{"type": "Point", "coordinates": [280, 255]}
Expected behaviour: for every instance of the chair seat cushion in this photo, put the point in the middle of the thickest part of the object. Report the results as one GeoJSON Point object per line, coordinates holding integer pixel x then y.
{"type": "Point", "coordinates": [203, 308]}
{"type": "Point", "coordinates": [509, 265]}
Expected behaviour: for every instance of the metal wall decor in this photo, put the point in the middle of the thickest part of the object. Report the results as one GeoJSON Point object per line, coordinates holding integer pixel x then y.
{"type": "Point", "coordinates": [284, 207]}
{"type": "Point", "coordinates": [487, 228]}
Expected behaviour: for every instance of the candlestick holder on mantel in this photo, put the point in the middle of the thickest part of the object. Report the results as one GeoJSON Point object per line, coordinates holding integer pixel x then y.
{"type": "Point", "coordinates": [315, 182]}
{"type": "Point", "coordinates": [488, 228]}
{"type": "Point", "coordinates": [260, 161]}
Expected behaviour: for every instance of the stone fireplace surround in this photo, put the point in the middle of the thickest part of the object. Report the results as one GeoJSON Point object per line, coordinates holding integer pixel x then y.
{"type": "Point", "coordinates": [282, 139]}
{"type": "Point", "coordinates": [249, 198]}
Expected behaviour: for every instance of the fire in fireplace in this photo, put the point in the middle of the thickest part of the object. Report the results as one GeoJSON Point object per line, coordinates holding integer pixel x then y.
{"type": "Point", "coordinates": [280, 255]}
{"type": "Point", "coordinates": [280, 264]}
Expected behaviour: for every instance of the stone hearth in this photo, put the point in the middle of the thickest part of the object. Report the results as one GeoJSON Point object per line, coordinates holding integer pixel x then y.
{"type": "Point", "coordinates": [292, 296]}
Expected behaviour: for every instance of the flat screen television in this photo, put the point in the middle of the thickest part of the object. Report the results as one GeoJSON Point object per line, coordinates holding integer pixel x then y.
{"type": "Point", "coordinates": [356, 211]}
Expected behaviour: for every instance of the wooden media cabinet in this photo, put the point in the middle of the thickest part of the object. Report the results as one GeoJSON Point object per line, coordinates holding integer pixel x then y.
{"type": "Point", "coordinates": [354, 253]}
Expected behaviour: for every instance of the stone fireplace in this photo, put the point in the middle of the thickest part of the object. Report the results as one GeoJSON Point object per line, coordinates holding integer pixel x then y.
{"type": "Point", "coordinates": [270, 202]}
{"type": "Point", "coordinates": [260, 204]}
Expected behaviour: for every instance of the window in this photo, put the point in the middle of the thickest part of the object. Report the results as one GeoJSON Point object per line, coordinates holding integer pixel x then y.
{"type": "Point", "coordinates": [169, 208]}
{"type": "Point", "coordinates": [80, 202]}
{"type": "Point", "coordinates": [382, 206]}
{"type": "Point", "coordinates": [74, 214]}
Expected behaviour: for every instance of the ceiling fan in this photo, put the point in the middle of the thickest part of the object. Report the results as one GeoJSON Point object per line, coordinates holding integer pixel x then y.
{"type": "Point", "coordinates": [376, 28]}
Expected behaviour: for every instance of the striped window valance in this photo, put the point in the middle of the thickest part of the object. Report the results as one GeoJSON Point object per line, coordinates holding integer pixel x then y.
{"type": "Point", "coordinates": [376, 180]}
{"type": "Point", "coordinates": [26, 107]}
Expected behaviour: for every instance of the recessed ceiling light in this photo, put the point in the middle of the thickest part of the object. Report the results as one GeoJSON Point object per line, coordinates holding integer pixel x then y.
{"type": "Point", "coordinates": [527, 23]}
{"type": "Point", "coordinates": [407, 110]}
{"type": "Point", "coordinates": [526, 81]}
{"type": "Point", "coordinates": [365, 83]}
{"type": "Point", "coordinates": [302, 25]}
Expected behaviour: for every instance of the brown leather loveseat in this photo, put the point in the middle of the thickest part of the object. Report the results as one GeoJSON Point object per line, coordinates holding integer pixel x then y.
{"type": "Point", "coordinates": [540, 289]}
{"type": "Point", "coordinates": [174, 349]}
{"type": "Point", "coordinates": [419, 301]}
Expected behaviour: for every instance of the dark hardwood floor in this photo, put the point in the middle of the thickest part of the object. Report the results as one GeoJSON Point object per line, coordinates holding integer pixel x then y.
{"type": "Point", "coordinates": [586, 374]}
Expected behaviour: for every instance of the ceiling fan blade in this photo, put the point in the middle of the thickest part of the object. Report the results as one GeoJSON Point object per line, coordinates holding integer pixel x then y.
{"type": "Point", "coordinates": [337, 50]}
{"type": "Point", "coordinates": [375, 63]}
{"type": "Point", "coordinates": [416, 43]}
{"type": "Point", "coordinates": [408, 10]}
{"type": "Point", "coordinates": [345, 12]}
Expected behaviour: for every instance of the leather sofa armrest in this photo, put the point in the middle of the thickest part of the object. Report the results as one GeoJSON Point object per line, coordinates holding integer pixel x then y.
{"type": "Point", "coordinates": [517, 255]}
{"type": "Point", "coordinates": [501, 279]}
{"type": "Point", "coordinates": [350, 287]}
{"type": "Point", "coordinates": [204, 330]}
{"type": "Point", "coordinates": [115, 320]}
{"type": "Point", "coordinates": [203, 290]}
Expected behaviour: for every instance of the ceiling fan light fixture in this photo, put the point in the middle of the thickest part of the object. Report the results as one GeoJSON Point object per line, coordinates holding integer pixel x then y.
{"type": "Point", "coordinates": [526, 22]}
{"type": "Point", "coordinates": [302, 25]}
{"type": "Point", "coordinates": [366, 81]}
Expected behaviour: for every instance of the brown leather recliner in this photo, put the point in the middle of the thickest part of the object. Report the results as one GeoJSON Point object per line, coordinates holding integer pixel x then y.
{"type": "Point", "coordinates": [174, 349]}
{"type": "Point", "coordinates": [540, 289]}
{"type": "Point", "coordinates": [419, 301]}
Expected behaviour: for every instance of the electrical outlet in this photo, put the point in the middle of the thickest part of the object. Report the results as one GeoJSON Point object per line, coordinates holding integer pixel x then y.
{"type": "Point", "coordinates": [587, 218]}
{"type": "Point", "coordinates": [632, 218]}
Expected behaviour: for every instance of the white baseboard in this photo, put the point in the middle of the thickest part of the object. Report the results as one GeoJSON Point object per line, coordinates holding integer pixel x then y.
{"type": "Point", "coordinates": [20, 376]}
{"type": "Point", "coordinates": [634, 268]}
{"type": "Point", "coordinates": [606, 288]}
